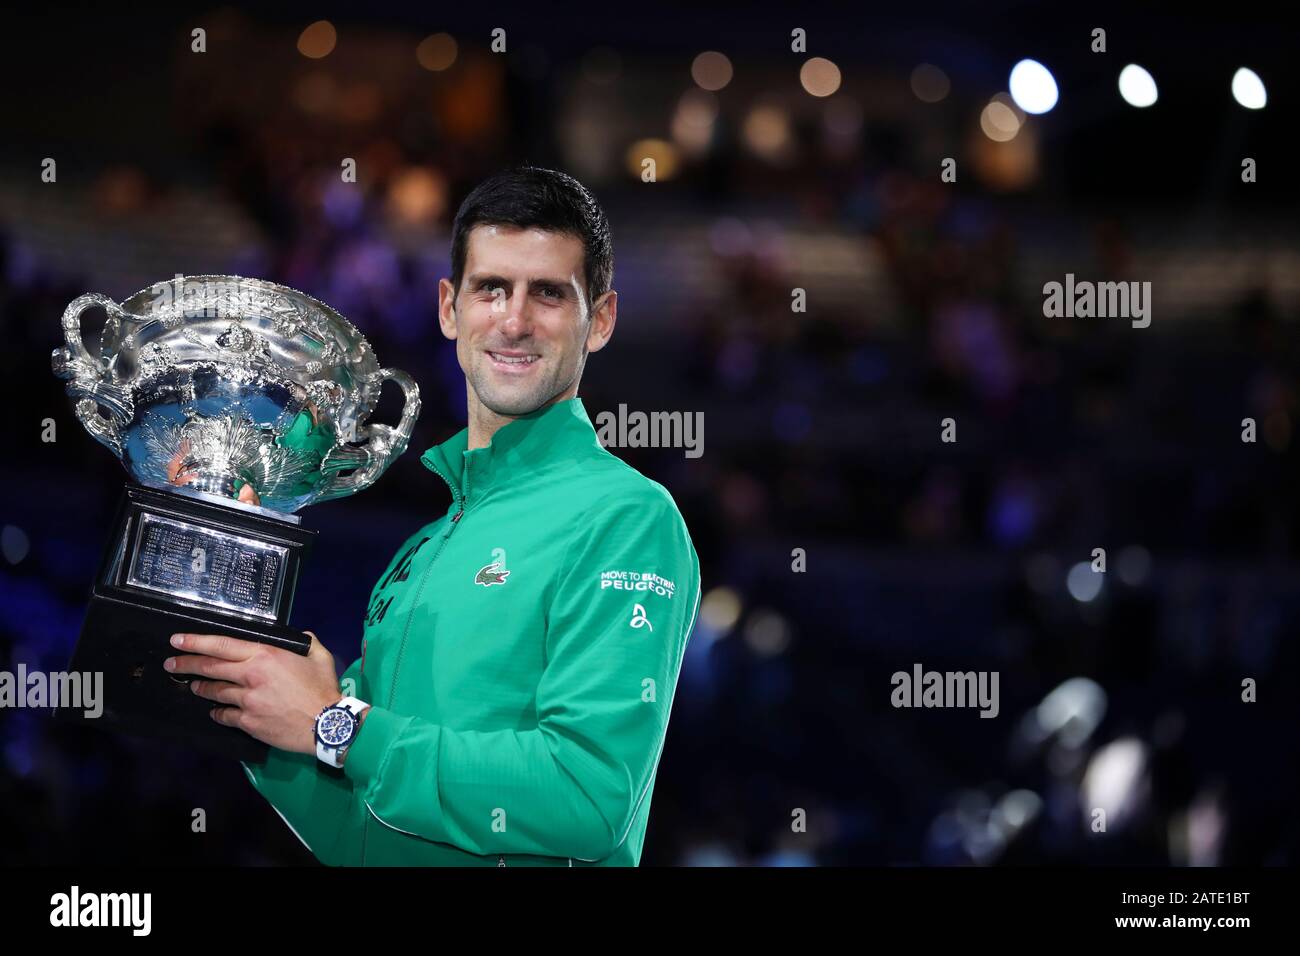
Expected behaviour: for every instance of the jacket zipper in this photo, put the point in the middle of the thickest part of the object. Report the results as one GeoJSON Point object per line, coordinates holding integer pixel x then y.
{"type": "Point", "coordinates": [401, 650]}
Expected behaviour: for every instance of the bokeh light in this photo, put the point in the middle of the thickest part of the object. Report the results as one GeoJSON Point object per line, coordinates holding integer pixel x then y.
{"type": "Point", "coordinates": [1248, 89]}
{"type": "Point", "coordinates": [767, 132]}
{"type": "Point", "coordinates": [437, 52]}
{"type": "Point", "coordinates": [720, 610]}
{"type": "Point", "coordinates": [317, 40]}
{"type": "Point", "coordinates": [999, 121]}
{"type": "Point", "coordinates": [1032, 86]}
{"type": "Point", "coordinates": [711, 70]}
{"type": "Point", "coordinates": [417, 196]}
{"type": "Point", "coordinates": [693, 121]}
{"type": "Point", "coordinates": [1137, 86]}
{"type": "Point", "coordinates": [819, 76]}
{"type": "Point", "coordinates": [664, 154]}
{"type": "Point", "coordinates": [1083, 583]}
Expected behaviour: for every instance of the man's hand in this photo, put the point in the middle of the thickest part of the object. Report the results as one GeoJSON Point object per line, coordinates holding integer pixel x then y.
{"type": "Point", "coordinates": [267, 692]}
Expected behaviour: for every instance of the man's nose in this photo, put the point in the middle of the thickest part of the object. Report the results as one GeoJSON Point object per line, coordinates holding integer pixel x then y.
{"type": "Point", "coordinates": [514, 318]}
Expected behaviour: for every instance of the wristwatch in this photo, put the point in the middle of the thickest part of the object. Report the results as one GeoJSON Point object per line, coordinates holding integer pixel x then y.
{"type": "Point", "coordinates": [336, 728]}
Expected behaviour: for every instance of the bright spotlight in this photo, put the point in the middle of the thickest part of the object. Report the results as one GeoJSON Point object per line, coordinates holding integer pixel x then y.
{"type": "Point", "coordinates": [1248, 89]}
{"type": "Point", "coordinates": [1137, 86]}
{"type": "Point", "coordinates": [1032, 87]}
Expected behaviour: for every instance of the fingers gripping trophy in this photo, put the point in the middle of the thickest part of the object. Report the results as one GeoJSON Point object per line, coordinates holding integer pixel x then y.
{"type": "Point", "coordinates": [232, 403]}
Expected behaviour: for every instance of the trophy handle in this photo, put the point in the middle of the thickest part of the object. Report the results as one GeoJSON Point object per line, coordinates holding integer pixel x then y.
{"type": "Point", "coordinates": [88, 383]}
{"type": "Point", "coordinates": [383, 444]}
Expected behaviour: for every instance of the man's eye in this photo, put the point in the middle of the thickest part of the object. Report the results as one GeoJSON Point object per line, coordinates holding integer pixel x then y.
{"type": "Point", "coordinates": [552, 293]}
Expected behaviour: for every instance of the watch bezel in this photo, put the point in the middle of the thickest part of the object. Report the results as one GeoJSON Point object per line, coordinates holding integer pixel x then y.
{"type": "Point", "coordinates": [352, 732]}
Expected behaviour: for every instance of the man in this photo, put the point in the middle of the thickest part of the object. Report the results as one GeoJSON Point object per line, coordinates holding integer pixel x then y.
{"type": "Point", "coordinates": [520, 654]}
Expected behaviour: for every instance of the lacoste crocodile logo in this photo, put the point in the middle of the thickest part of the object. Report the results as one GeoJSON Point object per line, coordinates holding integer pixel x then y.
{"type": "Point", "coordinates": [489, 575]}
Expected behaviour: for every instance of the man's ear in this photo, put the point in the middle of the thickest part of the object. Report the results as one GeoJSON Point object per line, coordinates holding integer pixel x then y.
{"type": "Point", "coordinates": [447, 308]}
{"type": "Point", "coordinates": [603, 318]}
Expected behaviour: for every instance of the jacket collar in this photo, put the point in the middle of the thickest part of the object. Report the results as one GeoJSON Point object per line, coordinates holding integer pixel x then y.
{"type": "Point", "coordinates": [554, 433]}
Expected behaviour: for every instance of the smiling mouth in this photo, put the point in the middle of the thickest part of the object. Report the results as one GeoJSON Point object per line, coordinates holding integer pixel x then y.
{"type": "Point", "coordinates": [516, 361]}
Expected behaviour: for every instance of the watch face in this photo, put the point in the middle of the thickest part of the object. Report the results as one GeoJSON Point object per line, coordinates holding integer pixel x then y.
{"type": "Point", "coordinates": [335, 727]}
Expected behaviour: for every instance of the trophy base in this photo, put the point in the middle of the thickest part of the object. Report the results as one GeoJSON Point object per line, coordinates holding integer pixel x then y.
{"type": "Point", "coordinates": [184, 563]}
{"type": "Point", "coordinates": [128, 643]}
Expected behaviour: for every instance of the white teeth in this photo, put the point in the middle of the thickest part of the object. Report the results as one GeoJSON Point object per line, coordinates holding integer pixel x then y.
{"type": "Point", "coordinates": [514, 359]}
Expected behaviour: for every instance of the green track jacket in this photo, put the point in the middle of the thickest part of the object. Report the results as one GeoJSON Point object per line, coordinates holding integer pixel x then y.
{"type": "Point", "coordinates": [520, 655]}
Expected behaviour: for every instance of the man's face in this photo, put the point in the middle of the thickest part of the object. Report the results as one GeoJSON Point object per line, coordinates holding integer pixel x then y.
{"type": "Point", "coordinates": [520, 320]}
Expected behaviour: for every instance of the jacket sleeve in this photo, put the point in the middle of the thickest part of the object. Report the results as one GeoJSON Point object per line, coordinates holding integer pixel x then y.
{"type": "Point", "coordinates": [314, 804]}
{"type": "Point", "coordinates": [572, 785]}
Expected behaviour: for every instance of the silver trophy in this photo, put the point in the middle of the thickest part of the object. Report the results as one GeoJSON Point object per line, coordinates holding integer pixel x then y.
{"type": "Point", "coordinates": [204, 387]}
{"type": "Point", "coordinates": [206, 381]}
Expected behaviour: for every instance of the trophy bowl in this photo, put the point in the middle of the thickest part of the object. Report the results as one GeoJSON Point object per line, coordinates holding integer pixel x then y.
{"type": "Point", "coordinates": [214, 382]}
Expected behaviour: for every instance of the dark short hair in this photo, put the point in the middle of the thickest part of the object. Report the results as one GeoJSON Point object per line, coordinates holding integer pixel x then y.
{"type": "Point", "coordinates": [532, 197]}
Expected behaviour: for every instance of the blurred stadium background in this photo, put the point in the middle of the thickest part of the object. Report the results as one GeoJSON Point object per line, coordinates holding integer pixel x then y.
{"type": "Point", "coordinates": [776, 170]}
